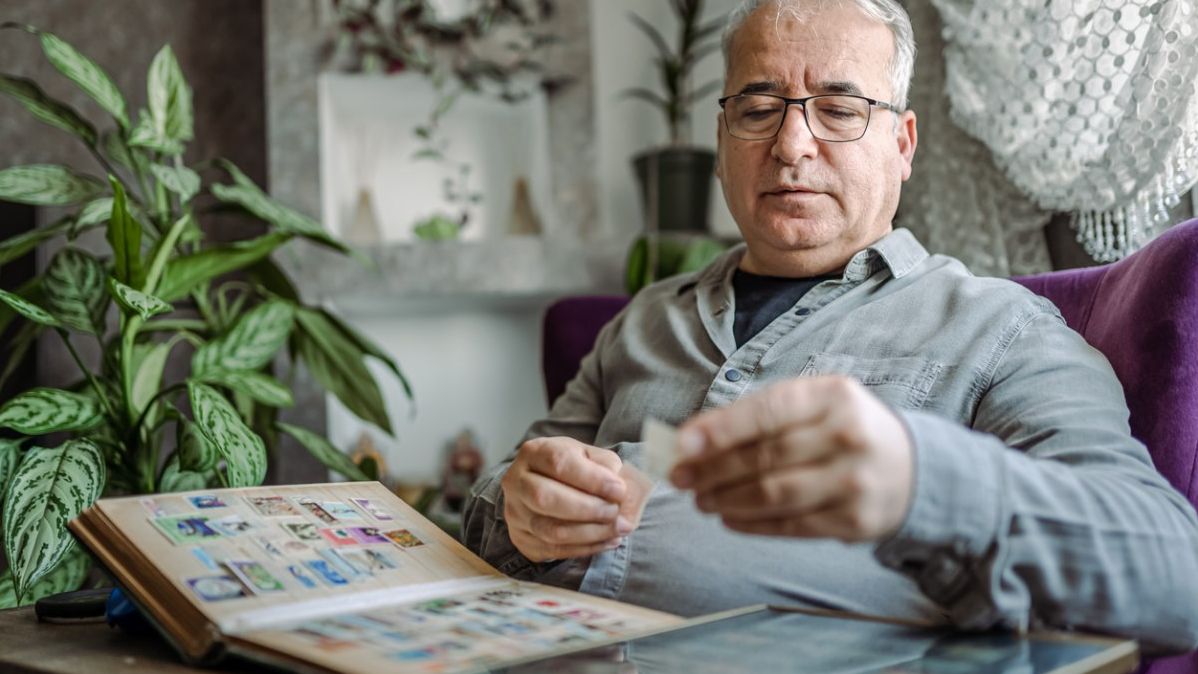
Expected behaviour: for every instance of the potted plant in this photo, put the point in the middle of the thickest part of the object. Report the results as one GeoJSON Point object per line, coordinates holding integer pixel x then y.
{"type": "Point", "coordinates": [675, 180]}
{"type": "Point", "coordinates": [125, 428]}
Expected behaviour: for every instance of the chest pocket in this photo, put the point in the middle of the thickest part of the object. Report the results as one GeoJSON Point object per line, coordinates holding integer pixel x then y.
{"type": "Point", "coordinates": [904, 382]}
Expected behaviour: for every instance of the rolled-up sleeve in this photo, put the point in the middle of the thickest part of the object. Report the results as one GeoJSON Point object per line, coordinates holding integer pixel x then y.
{"type": "Point", "coordinates": [1047, 513]}
{"type": "Point", "coordinates": [577, 414]}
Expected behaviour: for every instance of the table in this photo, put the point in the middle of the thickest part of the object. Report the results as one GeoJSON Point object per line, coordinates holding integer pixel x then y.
{"type": "Point", "coordinates": [752, 640]}
{"type": "Point", "coordinates": [30, 647]}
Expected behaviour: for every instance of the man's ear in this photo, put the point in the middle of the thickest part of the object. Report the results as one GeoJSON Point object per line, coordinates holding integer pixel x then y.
{"type": "Point", "coordinates": [907, 138]}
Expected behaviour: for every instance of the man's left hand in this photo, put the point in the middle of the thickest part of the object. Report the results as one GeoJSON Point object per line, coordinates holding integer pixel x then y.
{"type": "Point", "coordinates": [814, 457]}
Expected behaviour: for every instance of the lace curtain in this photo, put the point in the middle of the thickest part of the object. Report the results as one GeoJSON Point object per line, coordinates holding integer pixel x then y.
{"type": "Point", "coordinates": [1087, 106]}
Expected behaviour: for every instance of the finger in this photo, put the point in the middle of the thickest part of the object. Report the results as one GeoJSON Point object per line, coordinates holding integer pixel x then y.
{"type": "Point", "coordinates": [762, 414]}
{"type": "Point", "coordinates": [562, 460]}
{"type": "Point", "coordinates": [553, 531]}
{"type": "Point", "coordinates": [793, 447]}
{"type": "Point", "coordinates": [538, 551]}
{"type": "Point", "coordinates": [545, 496]}
{"type": "Point", "coordinates": [836, 520]}
{"type": "Point", "coordinates": [604, 457]}
{"type": "Point", "coordinates": [783, 493]}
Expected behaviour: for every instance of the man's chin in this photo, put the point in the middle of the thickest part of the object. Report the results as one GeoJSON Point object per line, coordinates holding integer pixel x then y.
{"type": "Point", "coordinates": [801, 233]}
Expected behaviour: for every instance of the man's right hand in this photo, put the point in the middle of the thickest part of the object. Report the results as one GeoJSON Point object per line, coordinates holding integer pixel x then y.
{"type": "Point", "coordinates": [562, 499]}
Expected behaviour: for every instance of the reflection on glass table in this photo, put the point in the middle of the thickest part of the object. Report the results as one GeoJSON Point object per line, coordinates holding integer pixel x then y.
{"type": "Point", "coordinates": [776, 640]}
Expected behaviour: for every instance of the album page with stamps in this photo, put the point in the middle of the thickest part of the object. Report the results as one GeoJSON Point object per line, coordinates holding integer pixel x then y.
{"type": "Point", "coordinates": [341, 577]}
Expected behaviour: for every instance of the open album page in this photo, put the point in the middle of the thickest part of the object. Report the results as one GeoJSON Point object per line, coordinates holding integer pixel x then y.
{"type": "Point", "coordinates": [501, 622]}
{"type": "Point", "coordinates": [247, 555]}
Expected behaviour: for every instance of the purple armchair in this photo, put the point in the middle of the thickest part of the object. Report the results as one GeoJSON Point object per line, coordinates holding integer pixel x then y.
{"type": "Point", "coordinates": [1141, 312]}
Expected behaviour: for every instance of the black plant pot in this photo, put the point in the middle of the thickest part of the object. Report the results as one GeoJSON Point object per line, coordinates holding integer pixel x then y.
{"type": "Point", "coordinates": [683, 187]}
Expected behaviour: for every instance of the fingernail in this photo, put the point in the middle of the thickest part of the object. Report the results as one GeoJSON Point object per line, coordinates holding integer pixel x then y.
{"type": "Point", "coordinates": [623, 526]}
{"type": "Point", "coordinates": [683, 477]}
{"type": "Point", "coordinates": [690, 442]}
{"type": "Point", "coordinates": [615, 543]}
{"type": "Point", "coordinates": [704, 503]}
{"type": "Point", "coordinates": [609, 511]}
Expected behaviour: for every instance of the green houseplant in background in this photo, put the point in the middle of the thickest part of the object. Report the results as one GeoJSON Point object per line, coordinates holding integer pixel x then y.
{"type": "Point", "coordinates": [675, 180]}
{"type": "Point", "coordinates": [122, 427]}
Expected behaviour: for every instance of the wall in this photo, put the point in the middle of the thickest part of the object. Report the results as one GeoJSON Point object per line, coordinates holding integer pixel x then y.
{"type": "Point", "coordinates": [623, 58]}
{"type": "Point", "coordinates": [463, 318]}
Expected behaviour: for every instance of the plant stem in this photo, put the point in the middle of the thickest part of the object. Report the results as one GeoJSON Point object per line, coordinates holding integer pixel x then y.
{"type": "Point", "coordinates": [108, 167]}
{"type": "Point", "coordinates": [173, 324]}
{"type": "Point", "coordinates": [177, 386]}
{"type": "Point", "coordinates": [158, 265]}
{"type": "Point", "coordinates": [66, 339]}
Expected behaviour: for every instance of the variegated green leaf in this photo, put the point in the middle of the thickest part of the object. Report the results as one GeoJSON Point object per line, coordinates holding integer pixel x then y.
{"type": "Point", "coordinates": [144, 135]}
{"type": "Point", "coordinates": [10, 458]}
{"type": "Point", "coordinates": [98, 212]}
{"type": "Point", "coordinates": [90, 77]}
{"type": "Point", "coordinates": [95, 212]}
{"type": "Point", "coordinates": [8, 593]}
{"type": "Point", "coordinates": [149, 362]}
{"type": "Point", "coordinates": [124, 235]}
{"type": "Point", "coordinates": [50, 111]}
{"type": "Point", "coordinates": [182, 180]}
{"type": "Point", "coordinates": [75, 290]}
{"type": "Point", "coordinates": [50, 487]}
{"type": "Point", "coordinates": [339, 365]}
{"type": "Point", "coordinates": [135, 301]}
{"type": "Point", "coordinates": [46, 410]}
{"type": "Point", "coordinates": [186, 272]}
{"type": "Point", "coordinates": [28, 309]}
{"type": "Point", "coordinates": [66, 577]}
{"type": "Point", "coordinates": [195, 452]}
{"type": "Point", "coordinates": [252, 342]}
{"type": "Point", "coordinates": [176, 479]}
{"type": "Point", "coordinates": [115, 149]}
{"type": "Point", "coordinates": [47, 185]}
{"type": "Point", "coordinates": [324, 451]}
{"type": "Point", "coordinates": [369, 348]}
{"type": "Point", "coordinates": [16, 246]}
{"type": "Point", "coordinates": [258, 386]}
{"type": "Point", "coordinates": [248, 195]}
{"type": "Point", "coordinates": [243, 451]}
{"type": "Point", "coordinates": [169, 98]}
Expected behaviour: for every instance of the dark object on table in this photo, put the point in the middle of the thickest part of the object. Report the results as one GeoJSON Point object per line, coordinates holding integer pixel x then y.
{"type": "Point", "coordinates": [75, 606]}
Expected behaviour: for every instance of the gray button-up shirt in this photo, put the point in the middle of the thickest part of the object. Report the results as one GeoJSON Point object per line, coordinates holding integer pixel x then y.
{"type": "Point", "coordinates": [1033, 505]}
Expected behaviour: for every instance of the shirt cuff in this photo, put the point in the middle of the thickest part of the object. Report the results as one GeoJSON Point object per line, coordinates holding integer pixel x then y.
{"type": "Point", "coordinates": [953, 520]}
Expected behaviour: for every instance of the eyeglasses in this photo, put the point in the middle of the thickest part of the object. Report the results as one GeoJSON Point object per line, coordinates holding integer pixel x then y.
{"type": "Point", "coordinates": [836, 118]}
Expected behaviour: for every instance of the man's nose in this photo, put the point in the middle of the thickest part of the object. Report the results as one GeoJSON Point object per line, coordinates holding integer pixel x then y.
{"type": "Point", "coordinates": [794, 140]}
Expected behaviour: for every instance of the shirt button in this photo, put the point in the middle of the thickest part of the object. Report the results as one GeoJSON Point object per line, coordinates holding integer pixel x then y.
{"type": "Point", "coordinates": [732, 375]}
{"type": "Point", "coordinates": [802, 312]}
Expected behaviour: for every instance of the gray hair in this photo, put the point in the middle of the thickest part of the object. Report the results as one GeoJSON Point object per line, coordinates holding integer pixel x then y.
{"type": "Point", "coordinates": [888, 12]}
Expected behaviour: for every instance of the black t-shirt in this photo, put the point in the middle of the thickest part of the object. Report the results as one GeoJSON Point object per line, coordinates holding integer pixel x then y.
{"type": "Point", "coordinates": [761, 299]}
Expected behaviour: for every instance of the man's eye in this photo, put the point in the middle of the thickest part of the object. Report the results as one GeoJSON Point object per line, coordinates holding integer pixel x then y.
{"type": "Point", "coordinates": [838, 113]}
{"type": "Point", "coordinates": [760, 114]}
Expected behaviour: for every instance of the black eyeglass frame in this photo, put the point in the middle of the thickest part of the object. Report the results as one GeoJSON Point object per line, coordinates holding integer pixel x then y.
{"type": "Point", "coordinates": [802, 103]}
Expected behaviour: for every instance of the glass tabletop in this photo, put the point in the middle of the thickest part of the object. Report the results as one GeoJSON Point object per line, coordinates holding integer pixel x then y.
{"type": "Point", "coordinates": [772, 640]}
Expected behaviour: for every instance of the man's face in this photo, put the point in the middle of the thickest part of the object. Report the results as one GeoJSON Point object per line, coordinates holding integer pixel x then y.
{"type": "Point", "coordinates": [805, 206]}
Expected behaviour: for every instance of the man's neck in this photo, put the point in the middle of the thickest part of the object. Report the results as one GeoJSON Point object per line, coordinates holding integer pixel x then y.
{"type": "Point", "coordinates": [811, 262]}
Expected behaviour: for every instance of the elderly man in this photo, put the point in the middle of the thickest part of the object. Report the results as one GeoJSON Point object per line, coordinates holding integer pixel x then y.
{"type": "Point", "coordinates": [866, 427]}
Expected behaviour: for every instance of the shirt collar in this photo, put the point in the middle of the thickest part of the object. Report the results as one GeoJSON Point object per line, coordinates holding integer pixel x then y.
{"type": "Point", "coordinates": [899, 251]}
